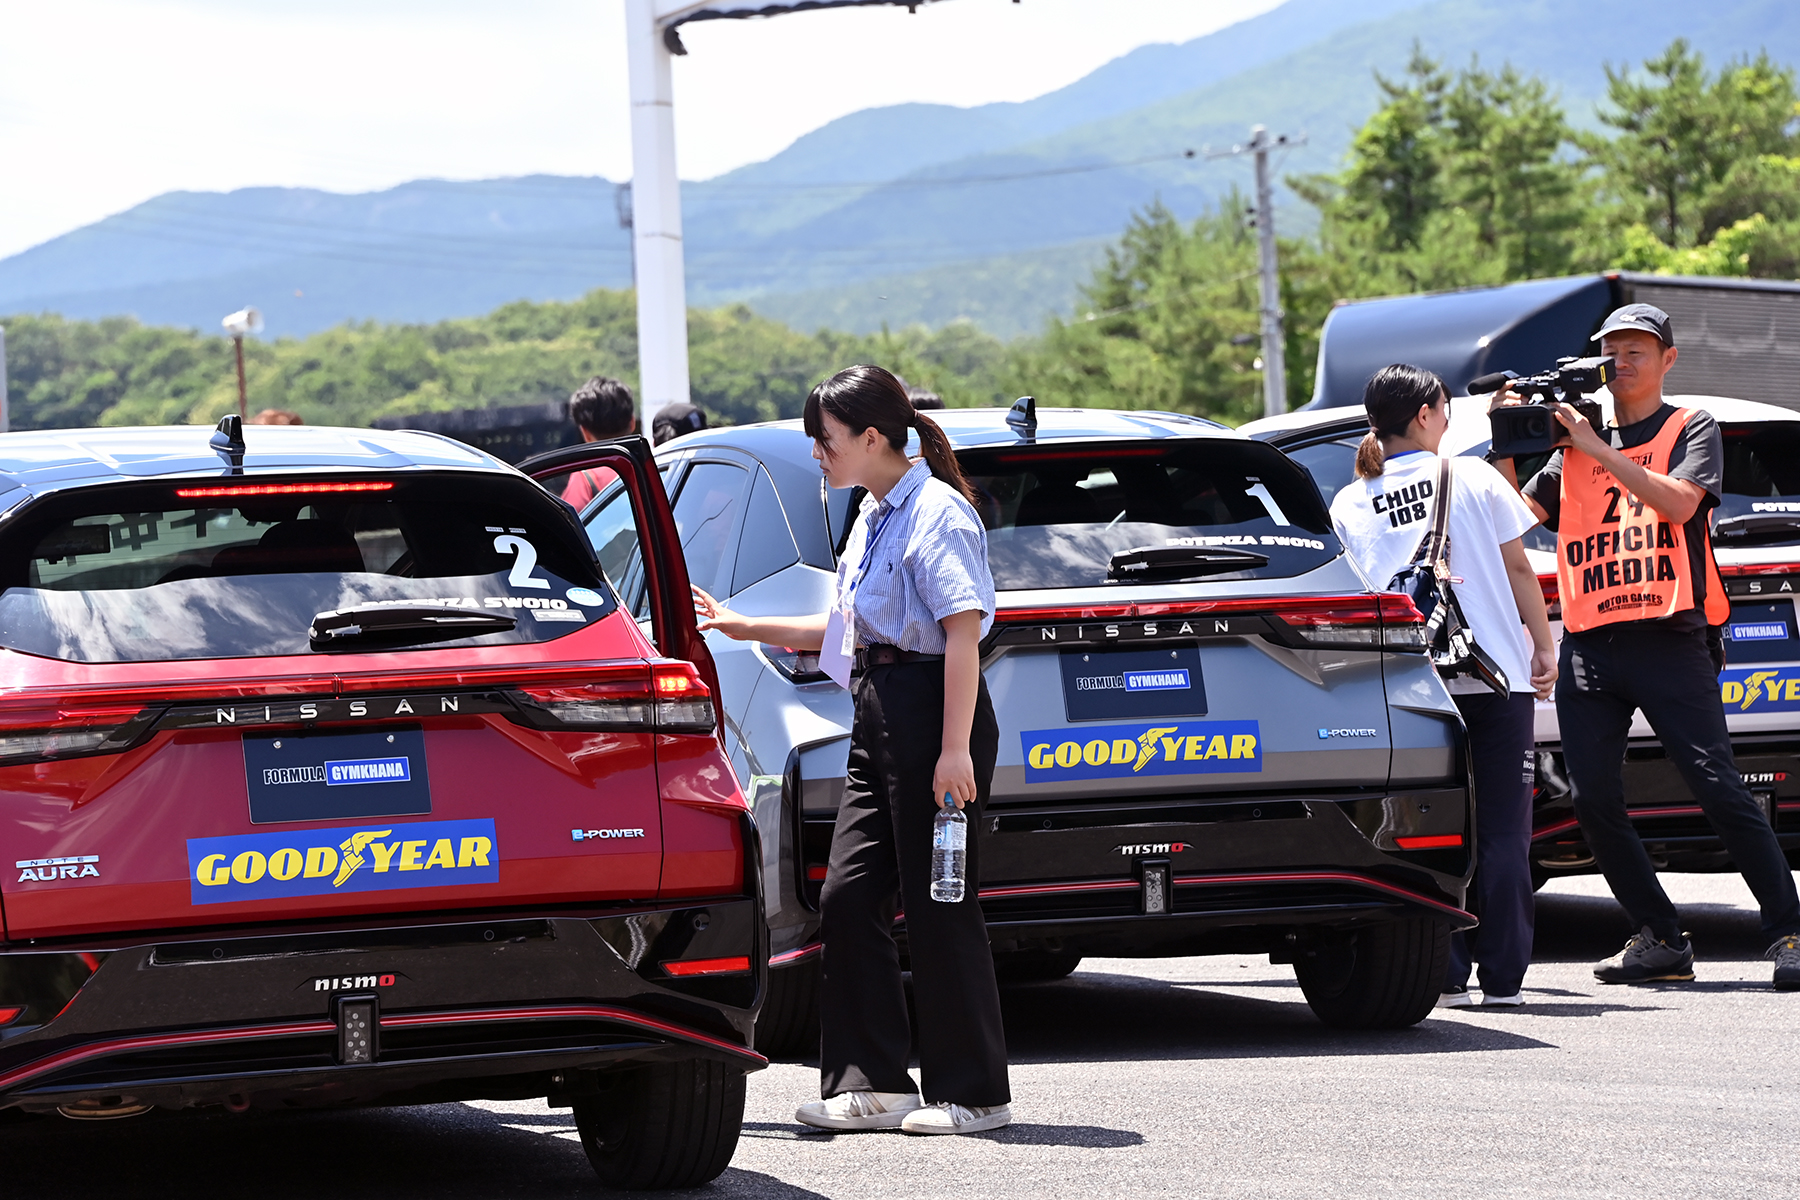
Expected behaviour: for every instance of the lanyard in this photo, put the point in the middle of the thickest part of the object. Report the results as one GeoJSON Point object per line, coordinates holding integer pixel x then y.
{"type": "Point", "coordinates": [868, 554]}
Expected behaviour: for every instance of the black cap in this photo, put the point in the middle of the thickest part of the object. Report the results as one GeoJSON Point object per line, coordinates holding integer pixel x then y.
{"type": "Point", "coordinates": [1646, 317]}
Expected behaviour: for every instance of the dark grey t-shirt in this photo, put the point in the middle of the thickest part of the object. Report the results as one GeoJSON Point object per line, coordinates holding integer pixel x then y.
{"type": "Point", "coordinates": [1698, 456]}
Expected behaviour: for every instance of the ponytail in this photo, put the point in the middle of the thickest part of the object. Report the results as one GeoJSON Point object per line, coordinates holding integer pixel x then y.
{"type": "Point", "coordinates": [1392, 398]}
{"type": "Point", "coordinates": [1369, 456]}
{"type": "Point", "coordinates": [940, 458]}
{"type": "Point", "coordinates": [865, 397]}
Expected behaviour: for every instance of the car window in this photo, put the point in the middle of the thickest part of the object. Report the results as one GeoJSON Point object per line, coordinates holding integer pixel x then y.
{"type": "Point", "coordinates": [612, 530]}
{"type": "Point", "coordinates": [767, 544]}
{"type": "Point", "coordinates": [1331, 464]}
{"type": "Point", "coordinates": [1761, 501]}
{"type": "Point", "coordinates": [706, 517]}
{"type": "Point", "coordinates": [1100, 515]}
{"type": "Point", "coordinates": [168, 571]}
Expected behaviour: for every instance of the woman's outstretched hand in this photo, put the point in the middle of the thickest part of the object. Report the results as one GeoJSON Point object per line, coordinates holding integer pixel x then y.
{"type": "Point", "coordinates": [713, 615]}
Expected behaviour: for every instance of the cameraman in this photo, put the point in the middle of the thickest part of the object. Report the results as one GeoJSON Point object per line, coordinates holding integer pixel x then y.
{"type": "Point", "coordinates": [1641, 601]}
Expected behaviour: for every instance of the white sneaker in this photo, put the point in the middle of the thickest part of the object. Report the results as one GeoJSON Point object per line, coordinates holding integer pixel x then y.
{"type": "Point", "coordinates": [859, 1110]}
{"type": "Point", "coordinates": [955, 1118]}
{"type": "Point", "coordinates": [1460, 998]}
{"type": "Point", "coordinates": [1490, 1000]}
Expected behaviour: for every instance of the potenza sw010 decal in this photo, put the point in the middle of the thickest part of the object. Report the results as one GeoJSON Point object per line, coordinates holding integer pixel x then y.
{"type": "Point", "coordinates": [1153, 748]}
{"type": "Point", "coordinates": [354, 858]}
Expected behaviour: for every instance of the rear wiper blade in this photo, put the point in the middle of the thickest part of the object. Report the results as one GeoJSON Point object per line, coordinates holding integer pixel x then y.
{"type": "Point", "coordinates": [401, 623]}
{"type": "Point", "coordinates": [1180, 562]}
{"type": "Point", "coordinates": [1750, 524]}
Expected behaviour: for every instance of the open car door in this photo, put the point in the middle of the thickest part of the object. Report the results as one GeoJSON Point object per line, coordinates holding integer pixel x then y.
{"type": "Point", "coordinates": [636, 541]}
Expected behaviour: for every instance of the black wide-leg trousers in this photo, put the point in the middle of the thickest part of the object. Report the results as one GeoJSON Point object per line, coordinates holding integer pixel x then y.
{"type": "Point", "coordinates": [1609, 672]}
{"type": "Point", "coordinates": [1501, 768]}
{"type": "Point", "coordinates": [881, 863]}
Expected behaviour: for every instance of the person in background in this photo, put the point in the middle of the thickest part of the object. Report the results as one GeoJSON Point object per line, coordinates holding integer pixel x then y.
{"type": "Point", "coordinates": [914, 596]}
{"type": "Point", "coordinates": [923, 400]}
{"type": "Point", "coordinates": [601, 408]}
{"type": "Point", "coordinates": [1642, 603]}
{"type": "Point", "coordinates": [275, 416]}
{"type": "Point", "coordinates": [674, 420]}
{"type": "Point", "coordinates": [1381, 518]}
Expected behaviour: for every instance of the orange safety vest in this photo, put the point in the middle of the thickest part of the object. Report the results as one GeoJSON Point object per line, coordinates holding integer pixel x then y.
{"type": "Point", "coordinates": [1618, 559]}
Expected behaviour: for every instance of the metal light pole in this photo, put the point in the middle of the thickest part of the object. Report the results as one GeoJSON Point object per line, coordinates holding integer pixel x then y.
{"type": "Point", "coordinates": [651, 39]}
{"type": "Point", "coordinates": [5, 407]}
{"type": "Point", "coordinates": [1274, 354]}
{"type": "Point", "coordinates": [239, 323]}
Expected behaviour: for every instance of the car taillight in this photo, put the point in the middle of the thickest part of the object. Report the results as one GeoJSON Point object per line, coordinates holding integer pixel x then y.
{"type": "Point", "coordinates": [42, 734]}
{"type": "Point", "coordinates": [683, 701]}
{"type": "Point", "coordinates": [1386, 622]}
{"type": "Point", "coordinates": [796, 666]}
{"type": "Point", "coordinates": [669, 698]}
{"type": "Point", "coordinates": [693, 967]}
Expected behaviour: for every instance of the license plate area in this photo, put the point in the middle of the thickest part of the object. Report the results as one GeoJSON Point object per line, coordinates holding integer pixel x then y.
{"type": "Point", "coordinates": [334, 776]}
{"type": "Point", "coordinates": [1108, 685]}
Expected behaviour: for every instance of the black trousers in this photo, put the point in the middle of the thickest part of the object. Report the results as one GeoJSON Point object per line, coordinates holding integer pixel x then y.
{"type": "Point", "coordinates": [1502, 769]}
{"type": "Point", "coordinates": [880, 857]}
{"type": "Point", "coordinates": [1607, 674]}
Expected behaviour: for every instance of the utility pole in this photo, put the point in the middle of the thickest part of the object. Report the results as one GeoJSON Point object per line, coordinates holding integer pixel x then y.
{"type": "Point", "coordinates": [1274, 358]}
{"type": "Point", "coordinates": [5, 408]}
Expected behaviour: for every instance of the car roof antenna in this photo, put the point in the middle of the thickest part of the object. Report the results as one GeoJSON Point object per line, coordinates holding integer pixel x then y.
{"type": "Point", "coordinates": [1022, 416]}
{"type": "Point", "coordinates": [228, 442]}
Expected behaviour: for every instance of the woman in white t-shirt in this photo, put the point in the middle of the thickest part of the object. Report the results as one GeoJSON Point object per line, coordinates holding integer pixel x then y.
{"type": "Point", "coordinates": [1381, 518]}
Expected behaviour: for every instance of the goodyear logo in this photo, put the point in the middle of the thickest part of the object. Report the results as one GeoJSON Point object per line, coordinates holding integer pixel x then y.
{"type": "Point", "coordinates": [354, 858]}
{"type": "Point", "coordinates": [1123, 751]}
{"type": "Point", "coordinates": [1747, 690]}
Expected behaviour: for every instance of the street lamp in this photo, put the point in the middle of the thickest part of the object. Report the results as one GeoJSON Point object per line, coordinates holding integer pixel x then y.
{"type": "Point", "coordinates": [244, 320]}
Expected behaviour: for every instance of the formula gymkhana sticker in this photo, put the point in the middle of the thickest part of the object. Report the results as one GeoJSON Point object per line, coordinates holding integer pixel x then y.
{"type": "Point", "coordinates": [351, 858]}
{"type": "Point", "coordinates": [1142, 748]}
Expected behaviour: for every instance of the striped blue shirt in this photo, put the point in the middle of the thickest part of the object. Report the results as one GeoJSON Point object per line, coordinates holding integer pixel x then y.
{"type": "Point", "coordinates": [929, 561]}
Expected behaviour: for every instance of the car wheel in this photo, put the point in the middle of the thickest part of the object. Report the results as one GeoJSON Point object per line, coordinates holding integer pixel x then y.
{"type": "Point", "coordinates": [666, 1125]}
{"type": "Point", "coordinates": [1034, 966]}
{"type": "Point", "coordinates": [788, 1026]}
{"type": "Point", "coordinates": [1384, 976]}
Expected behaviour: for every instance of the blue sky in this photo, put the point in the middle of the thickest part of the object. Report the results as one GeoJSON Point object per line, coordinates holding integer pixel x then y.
{"type": "Point", "coordinates": [105, 103]}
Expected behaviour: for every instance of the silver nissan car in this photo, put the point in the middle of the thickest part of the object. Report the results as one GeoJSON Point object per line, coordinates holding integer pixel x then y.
{"type": "Point", "coordinates": [1216, 737]}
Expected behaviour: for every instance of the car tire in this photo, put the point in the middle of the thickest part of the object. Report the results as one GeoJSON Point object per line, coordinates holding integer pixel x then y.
{"type": "Point", "coordinates": [1034, 966]}
{"type": "Point", "coordinates": [788, 1025]}
{"type": "Point", "coordinates": [665, 1125]}
{"type": "Point", "coordinates": [1384, 976]}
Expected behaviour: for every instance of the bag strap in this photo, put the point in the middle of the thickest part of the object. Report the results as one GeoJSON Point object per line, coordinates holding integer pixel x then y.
{"type": "Point", "coordinates": [1434, 543]}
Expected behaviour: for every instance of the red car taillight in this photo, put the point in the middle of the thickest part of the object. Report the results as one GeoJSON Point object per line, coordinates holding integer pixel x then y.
{"type": "Point", "coordinates": [43, 733]}
{"type": "Point", "coordinates": [668, 697]}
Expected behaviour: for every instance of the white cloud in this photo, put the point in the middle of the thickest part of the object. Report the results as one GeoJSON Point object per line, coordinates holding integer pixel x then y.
{"type": "Point", "coordinates": [105, 103]}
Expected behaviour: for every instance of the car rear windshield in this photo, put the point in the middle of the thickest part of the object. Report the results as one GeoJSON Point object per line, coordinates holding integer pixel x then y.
{"type": "Point", "coordinates": [237, 568]}
{"type": "Point", "coordinates": [1761, 501]}
{"type": "Point", "coordinates": [1165, 512]}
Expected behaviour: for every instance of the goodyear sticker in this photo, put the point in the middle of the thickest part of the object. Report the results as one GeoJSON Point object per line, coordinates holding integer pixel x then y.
{"type": "Point", "coordinates": [351, 858]}
{"type": "Point", "coordinates": [1155, 748]}
{"type": "Point", "coordinates": [1748, 689]}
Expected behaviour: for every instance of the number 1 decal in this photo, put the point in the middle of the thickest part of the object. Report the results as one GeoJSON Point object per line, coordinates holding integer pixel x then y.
{"type": "Point", "coordinates": [524, 562]}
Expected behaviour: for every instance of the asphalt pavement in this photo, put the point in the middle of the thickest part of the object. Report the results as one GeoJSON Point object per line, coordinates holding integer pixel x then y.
{"type": "Point", "coordinates": [1174, 1077]}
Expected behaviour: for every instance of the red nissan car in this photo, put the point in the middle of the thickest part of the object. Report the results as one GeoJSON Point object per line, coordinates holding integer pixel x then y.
{"type": "Point", "coordinates": [332, 773]}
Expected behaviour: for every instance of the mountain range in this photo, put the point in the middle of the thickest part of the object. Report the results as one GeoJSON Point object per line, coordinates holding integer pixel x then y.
{"type": "Point", "coordinates": [891, 215]}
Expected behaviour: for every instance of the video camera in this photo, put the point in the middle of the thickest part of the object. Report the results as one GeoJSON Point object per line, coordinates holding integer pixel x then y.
{"type": "Point", "coordinates": [1532, 427]}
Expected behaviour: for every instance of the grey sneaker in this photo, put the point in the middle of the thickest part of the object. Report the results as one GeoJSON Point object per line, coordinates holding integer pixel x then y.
{"type": "Point", "coordinates": [1647, 960]}
{"type": "Point", "coordinates": [955, 1118]}
{"type": "Point", "coordinates": [1786, 954]}
{"type": "Point", "coordinates": [859, 1110]}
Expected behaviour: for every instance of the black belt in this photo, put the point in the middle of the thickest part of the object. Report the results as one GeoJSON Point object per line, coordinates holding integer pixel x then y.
{"type": "Point", "coordinates": [882, 656]}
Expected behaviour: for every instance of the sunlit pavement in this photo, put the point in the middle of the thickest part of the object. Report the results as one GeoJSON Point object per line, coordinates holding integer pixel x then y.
{"type": "Point", "coordinates": [1184, 1077]}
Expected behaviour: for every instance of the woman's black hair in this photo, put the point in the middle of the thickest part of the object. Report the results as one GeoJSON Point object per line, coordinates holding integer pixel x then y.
{"type": "Point", "coordinates": [865, 397]}
{"type": "Point", "coordinates": [1393, 397]}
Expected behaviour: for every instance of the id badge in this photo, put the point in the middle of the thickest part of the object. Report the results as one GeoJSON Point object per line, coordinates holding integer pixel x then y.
{"type": "Point", "coordinates": [838, 647]}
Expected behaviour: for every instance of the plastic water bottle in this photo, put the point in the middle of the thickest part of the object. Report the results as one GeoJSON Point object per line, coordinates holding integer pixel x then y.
{"type": "Point", "coordinates": [949, 853]}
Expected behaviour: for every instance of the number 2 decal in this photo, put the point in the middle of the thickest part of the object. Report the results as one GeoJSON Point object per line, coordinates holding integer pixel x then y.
{"type": "Point", "coordinates": [524, 562]}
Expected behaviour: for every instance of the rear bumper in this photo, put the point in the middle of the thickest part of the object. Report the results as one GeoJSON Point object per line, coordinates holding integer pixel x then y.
{"type": "Point", "coordinates": [1667, 816]}
{"type": "Point", "coordinates": [1218, 875]}
{"type": "Point", "coordinates": [511, 1008]}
